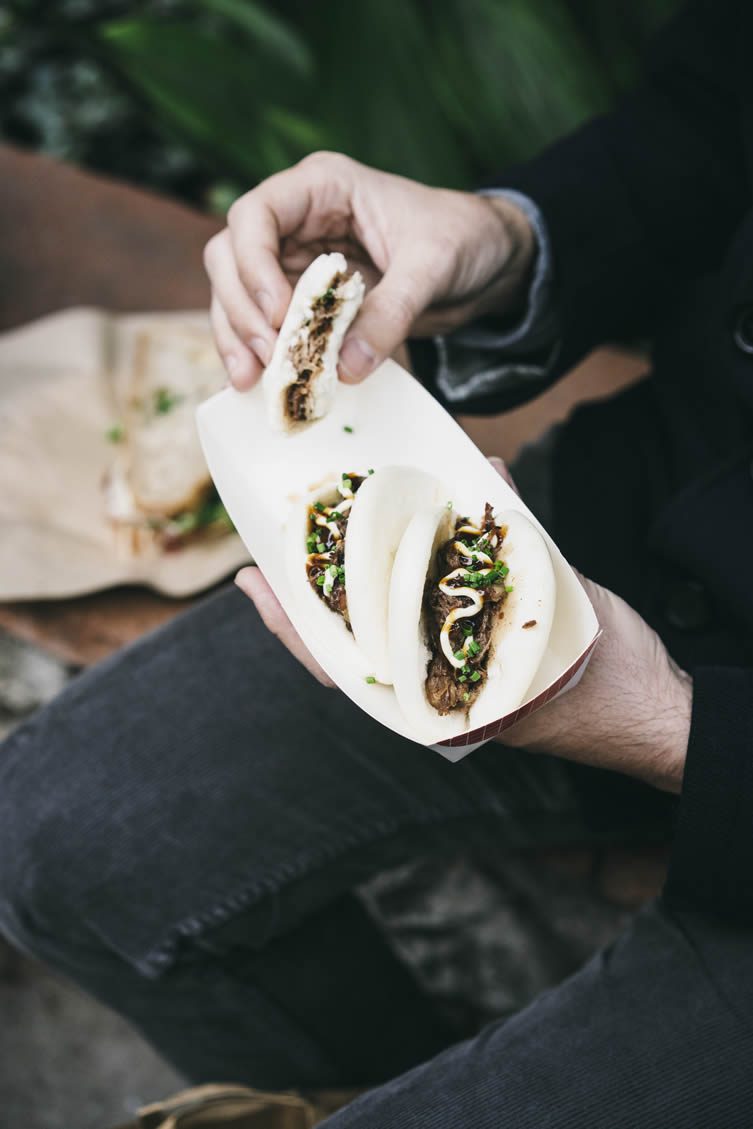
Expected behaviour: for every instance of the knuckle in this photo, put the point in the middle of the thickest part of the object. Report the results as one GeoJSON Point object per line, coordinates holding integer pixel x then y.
{"type": "Point", "coordinates": [247, 273]}
{"type": "Point", "coordinates": [326, 160]}
{"type": "Point", "coordinates": [237, 209]}
{"type": "Point", "coordinates": [220, 328]}
{"type": "Point", "coordinates": [444, 246]}
{"type": "Point", "coordinates": [212, 252]}
{"type": "Point", "coordinates": [398, 307]}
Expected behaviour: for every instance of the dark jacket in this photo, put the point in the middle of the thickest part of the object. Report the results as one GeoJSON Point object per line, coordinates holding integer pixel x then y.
{"type": "Point", "coordinates": [650, 216]}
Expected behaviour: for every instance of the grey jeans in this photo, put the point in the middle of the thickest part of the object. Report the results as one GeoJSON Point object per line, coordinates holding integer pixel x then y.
{"type": "Point", "coordinates": [181, 832]}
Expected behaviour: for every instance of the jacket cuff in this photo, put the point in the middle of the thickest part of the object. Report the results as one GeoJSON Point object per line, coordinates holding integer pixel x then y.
{"type": "Point", "coordinates": [711, 865]}
{"type": "Point", "coordinates": [482, 360]}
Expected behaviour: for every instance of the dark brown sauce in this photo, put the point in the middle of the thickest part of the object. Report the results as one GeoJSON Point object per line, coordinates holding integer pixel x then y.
{"type": "Point", "coordinates": [307, 352]}
{"type": "Point", "coordinates": [447, 687]}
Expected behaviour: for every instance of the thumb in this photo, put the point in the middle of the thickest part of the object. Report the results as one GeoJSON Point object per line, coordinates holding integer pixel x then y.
{"type": "Point", "coordinates": [385, 318]}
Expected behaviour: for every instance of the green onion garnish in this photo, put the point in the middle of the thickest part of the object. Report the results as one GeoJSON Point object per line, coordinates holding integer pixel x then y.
{"type": "Point", "coordinates": [165, 400]}
{"type": "Point", "coordinates": [370, 679]}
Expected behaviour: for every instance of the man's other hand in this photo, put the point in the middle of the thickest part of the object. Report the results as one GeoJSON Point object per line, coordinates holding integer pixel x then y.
{"type": "Point", "coordinates": [433, 259]}
{"type": "Point", "coordinates": [630, 712]}
{"type": "Point", "coordinates": [631, 709]}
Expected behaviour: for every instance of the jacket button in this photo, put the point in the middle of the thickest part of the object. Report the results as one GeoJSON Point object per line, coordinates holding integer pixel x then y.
{"type": "Point", "coordinates": [687, 606]}
{"type": "Point", "coordinates": [743, 332]}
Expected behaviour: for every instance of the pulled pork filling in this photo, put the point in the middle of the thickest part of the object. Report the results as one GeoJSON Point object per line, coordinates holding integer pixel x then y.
{"type": "Point", "coordinates": [325, 541]}
{"type": "Point", "coordinates": [462, 602]}
{"type": "Point", "coordinates": [307, 349]}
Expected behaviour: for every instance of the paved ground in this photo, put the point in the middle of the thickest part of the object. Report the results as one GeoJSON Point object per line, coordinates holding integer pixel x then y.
{"type": "Point", "coordinates": [65, 1062]}
{"type": "Point", "coordinates": [483, 937]}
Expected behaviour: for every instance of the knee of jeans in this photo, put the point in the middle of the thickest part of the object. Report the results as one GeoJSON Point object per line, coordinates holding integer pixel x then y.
{"type": "Point", "coordinates": [35, 857]}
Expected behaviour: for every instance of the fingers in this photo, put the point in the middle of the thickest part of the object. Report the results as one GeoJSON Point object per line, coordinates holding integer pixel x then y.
{"type": "Point", "coordinates": [233, 310]}
{"type": "Point", "coordinates": [387, 316]}
{"type": "Point", "coordinates": [243, 366]}
{"type": "Point", "coordinates": [501, 468]}
{"type": "Point", "coordinates": [256, 224]}
{"type": "Point", "coordinates": [253, 584]}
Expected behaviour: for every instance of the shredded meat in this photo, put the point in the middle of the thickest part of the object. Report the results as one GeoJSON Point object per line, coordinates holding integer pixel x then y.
{"type": "Point", "coordinates": [307, 351]}
{"type": "Point", "coordinates": [444, 690]}
{"type": "Point", "coordinates": [334, 548]}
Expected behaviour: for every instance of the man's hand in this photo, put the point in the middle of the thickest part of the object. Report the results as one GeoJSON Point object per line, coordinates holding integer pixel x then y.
{"type": "Point", "coordinates": [254, 585]}
{"type": "Point", "coordinates": [630, 712]}
{"type": "Point", "coordinates": [631, 709]}
{"type": "Point", "coordinates": [434, 258]}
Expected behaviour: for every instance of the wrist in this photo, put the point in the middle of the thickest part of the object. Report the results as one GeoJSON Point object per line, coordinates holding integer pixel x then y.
{"type": "Point", "coordinates": [518, 250]}
{"type": "Point", "coordinates": [666, 766]}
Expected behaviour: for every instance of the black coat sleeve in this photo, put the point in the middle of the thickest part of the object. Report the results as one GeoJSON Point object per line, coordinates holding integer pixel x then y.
{"type": "Point", "coordinates": [711, 867]}
{"type": "Point", "coordinates": [641, 200]}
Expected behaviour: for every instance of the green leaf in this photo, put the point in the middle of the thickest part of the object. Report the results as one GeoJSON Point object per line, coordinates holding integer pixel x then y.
{"type": "Point", "coordinates": [376, 93]}
{"type": "Point", "coordinates": [512, 75]}
{"type": "Point", "coordinates": [229, 100]}
{"type": "Point", "coordinates": [267, 30]}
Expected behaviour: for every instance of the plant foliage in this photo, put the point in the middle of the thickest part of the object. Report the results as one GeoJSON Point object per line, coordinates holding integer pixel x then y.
{"type": "Point", "coordinates": [194, 93]}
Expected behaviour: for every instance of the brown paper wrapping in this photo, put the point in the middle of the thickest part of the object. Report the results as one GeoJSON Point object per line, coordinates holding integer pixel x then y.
{"type": "Point", "coordinates": [59, 395]}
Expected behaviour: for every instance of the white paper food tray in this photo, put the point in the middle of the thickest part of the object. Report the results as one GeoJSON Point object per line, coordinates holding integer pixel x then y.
{"type": "Point", "coordinates": [391, 419]}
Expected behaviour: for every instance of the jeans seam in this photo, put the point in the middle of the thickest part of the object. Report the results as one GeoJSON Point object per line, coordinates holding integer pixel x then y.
{"type": "Point", "coordinates": [160, 957]}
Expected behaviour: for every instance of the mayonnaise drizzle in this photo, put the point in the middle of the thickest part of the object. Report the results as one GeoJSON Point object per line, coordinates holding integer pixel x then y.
{"type": "Point", "coordinates": [321, 518]}
{"type": "Point", "coordinates": [473, 594]}
{"type": "Point", "coordinates": [477, 603]}
{"type": "Point", "coordinates": [330, 575]}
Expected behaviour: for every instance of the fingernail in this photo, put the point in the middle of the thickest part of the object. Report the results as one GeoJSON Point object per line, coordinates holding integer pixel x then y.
{"type": "Point", "coordinates": [264, 302]}
{"type": "Point", "coordinates": [262, 348]}
{"type": "Point", "coordinates": [232, 364]}
{"type": "Point", "coordinates": [240, 580]}
{"type": "Point", "coordinates": [356, 358]}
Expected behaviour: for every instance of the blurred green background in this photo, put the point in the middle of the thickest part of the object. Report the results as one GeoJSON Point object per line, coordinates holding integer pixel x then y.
{"type": "Point", "coordinates": [201, 99]}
